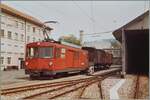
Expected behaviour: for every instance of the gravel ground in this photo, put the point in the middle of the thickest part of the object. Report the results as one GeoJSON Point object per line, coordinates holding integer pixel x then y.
{"type": "Point", "coordinates": [127, 90]}
{"type": "Point", "coordinates": [107, 84]}
{"type": "Point", "coordinates": [12, 76]}
{"type": "Point", "coordinates": [144, 88]}
{"type": "Point", "coordinates": [91, 92]}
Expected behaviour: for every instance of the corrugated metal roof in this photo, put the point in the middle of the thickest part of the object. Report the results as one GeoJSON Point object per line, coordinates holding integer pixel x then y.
{"type": "Point", "coordinates": [117, 33]}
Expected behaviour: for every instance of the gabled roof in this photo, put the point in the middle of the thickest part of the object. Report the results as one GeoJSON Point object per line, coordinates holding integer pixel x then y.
{"type": "Point", "coordinates": [117, 33]}
{"type": "Point", "coordinates": [9, 10]}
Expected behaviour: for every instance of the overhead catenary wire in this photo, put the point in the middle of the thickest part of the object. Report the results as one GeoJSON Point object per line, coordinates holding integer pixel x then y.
{"type": "Point", "coordinates": [99, 33]}
{"type": "Point", "coordinates": [33, 13]}
{"type": "Point", "coordinates": [84, 12]}
{"type": "Point", "coordinates": [92, 16]}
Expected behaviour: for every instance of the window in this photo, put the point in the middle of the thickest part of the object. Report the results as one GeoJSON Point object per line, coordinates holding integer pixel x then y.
{"type": "Point", "coordinates": [22, 37]}
{"type": "Point", "coordinates": [3, 19]}
{"type": "Point", "coordinates": [9, 44]}
{"type": "Point", "coordinates": [33, 39]}
{"type": "Point", "coordinates": [28, 28]}
{"type": "Point", "coordinates": [16, 36]}
{"type": "Point", "coordinates": [1, 60]}
{"type": "Point", "coordinates": [16, 24]}
{"type": "Point", "coordinates": [2, 43]}
{"type": "Point", "coordinates": [39, 31]}
{"type": "Point", "coordinates": [22, 25]}
{"type": "Point", "coordinates": [10, 21]}
{"type": "Point", "coordinates": [33, 29]}
{"type": "Point", "coordinates": [2, 33]}
{"type": "Point", "coordinates": [9, 35]}
{"type": "Point", "coordinates": [41, 52]}
{"type": "Point", "coordinates": [21, 53]}
{"type": "Point", "coordinates": [8, 60]}
{"type": "Point", "coordinates": [63, 51]}
{"type": "Point", "coordinates": [15, 45]}
{"type": "Point", "coordinates": [46, 52]}
{"type": "Point", "coordinates": [28, 38]}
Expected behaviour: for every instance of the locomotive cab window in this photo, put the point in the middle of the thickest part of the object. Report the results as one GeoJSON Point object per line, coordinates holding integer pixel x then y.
{"type": "Point", "coordinates": [63, 51]}
{"type": "Point", "coordinates": [46, 52]}
{"type": "Point", "coordinates": [40, 52]}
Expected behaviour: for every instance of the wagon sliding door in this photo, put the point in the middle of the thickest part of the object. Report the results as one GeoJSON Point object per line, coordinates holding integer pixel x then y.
{"type": "Point", "coordinates": [76, 59]}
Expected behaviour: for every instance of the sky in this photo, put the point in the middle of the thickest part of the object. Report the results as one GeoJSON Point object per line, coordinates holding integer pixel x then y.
{"type": "Point", "coordinates": [89, 16]}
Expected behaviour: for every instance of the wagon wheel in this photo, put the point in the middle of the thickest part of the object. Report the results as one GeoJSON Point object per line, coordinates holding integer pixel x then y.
{"type": "Point", "coordinates": [90, 70]}
{"type": "Point", "coordinates": [108, 66]}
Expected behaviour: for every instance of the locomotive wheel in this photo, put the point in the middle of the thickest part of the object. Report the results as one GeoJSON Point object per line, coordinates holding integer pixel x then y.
{"type": "Point", "coordinates": [90, 70]}
{"type": "Point", "coordinates": [33, 77]}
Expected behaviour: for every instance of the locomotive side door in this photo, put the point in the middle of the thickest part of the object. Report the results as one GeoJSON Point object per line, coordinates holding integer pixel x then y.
{"type": "Point", "coordinates": [60, 59]}
{"type": "Point", "coordinates": [69, 59]}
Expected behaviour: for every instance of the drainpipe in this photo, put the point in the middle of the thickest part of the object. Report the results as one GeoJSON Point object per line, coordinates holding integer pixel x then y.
{"type": "Point", "coordinates": [123, 54]}
{"type": "Point", "coordinates": [25, 42]}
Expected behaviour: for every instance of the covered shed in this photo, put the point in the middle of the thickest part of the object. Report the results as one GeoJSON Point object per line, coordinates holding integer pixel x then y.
{"type": "Point", "coordinates": [134, 37]}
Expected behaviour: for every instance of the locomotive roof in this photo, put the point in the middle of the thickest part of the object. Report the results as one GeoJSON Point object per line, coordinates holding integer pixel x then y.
{"type": "Point", "coordinates": [42, 44]}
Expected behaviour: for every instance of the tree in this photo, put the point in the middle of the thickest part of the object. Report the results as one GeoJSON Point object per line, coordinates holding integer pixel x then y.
{"type": "Point", "coordinates": [70, 39]}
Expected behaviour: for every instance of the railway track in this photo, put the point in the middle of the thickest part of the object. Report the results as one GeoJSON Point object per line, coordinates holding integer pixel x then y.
{"type": "Point", "coordinates": [55, 93]}
{"type": "Point", "coordinates": [37, 86]}
{"type": "Point", "coordinates": [137, 87]}
{"type": "Point", "coordinates": [55, 89]}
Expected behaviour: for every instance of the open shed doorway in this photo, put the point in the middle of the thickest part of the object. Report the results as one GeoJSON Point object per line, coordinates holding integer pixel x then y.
{"type": "Point", "coordinates": [137, 51]}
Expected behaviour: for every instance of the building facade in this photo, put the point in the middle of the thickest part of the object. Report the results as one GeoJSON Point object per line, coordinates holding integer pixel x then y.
{"type": "Point", "coordinates": [17, 29]}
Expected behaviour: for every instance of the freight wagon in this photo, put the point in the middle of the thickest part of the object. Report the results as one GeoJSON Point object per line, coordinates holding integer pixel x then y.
{"type": "Point", "coordinates": [98, 58]}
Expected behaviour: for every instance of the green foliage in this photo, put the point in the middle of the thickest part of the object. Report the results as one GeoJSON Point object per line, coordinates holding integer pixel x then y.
{"type": "Point", "coordinates": [70, 39]}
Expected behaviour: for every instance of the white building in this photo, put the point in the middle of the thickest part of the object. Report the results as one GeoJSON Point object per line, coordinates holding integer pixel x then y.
{"type": "Point", "coordinates": [17, 29]}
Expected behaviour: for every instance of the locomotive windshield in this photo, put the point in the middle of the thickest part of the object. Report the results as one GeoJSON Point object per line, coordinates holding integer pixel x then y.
{"type": "Point", "coordinates": [40, 52]}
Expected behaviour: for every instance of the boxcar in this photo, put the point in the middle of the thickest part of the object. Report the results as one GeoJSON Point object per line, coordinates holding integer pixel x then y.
{"type": "Point", "coordinates": [108, 59]}
{"type": "Point", "coordinates": [47, 58]}
{"type": "Point", "coordinates": [98, 58]}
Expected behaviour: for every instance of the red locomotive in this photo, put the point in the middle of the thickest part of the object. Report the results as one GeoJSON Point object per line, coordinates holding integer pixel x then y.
{"type": "Point", "coordinates": [50, 58]}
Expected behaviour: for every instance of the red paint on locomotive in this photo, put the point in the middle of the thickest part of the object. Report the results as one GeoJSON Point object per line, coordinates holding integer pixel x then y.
{"type": "Point", "coordinates": [51, 58]}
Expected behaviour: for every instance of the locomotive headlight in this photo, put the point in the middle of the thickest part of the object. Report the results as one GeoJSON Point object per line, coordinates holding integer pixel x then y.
{"type": "Point", "coordinates": [26, 63]}
{"type": "Point", "coordinates": [50, 63]}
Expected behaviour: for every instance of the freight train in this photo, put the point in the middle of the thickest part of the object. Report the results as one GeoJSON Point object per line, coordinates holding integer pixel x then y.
{"type": "Point", "coordinates": [51, 57]}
